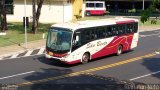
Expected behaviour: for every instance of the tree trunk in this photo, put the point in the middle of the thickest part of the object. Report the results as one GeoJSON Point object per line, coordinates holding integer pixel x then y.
{"type": "Point", "coordinates": [36, 14]}
{"type": "Point", "coordinates": [39, 3]}
{"type": "Point", "coordinates": [34, 24]}
{"type": "Point", "coordinates": [3, 16]}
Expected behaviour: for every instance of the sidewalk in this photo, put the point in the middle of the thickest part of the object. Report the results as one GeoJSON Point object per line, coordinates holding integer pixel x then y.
{"type": "Point", "coordinates": [14, 49]}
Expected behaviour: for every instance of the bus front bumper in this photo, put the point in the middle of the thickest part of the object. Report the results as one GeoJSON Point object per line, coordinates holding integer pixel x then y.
{"type": "Point", "coordinates": [51, 57]}
{"type": "Point", "coordinates": [64, 60]}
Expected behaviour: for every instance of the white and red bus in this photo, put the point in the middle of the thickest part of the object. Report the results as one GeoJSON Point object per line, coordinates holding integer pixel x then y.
{"type": "Point", "coordinates": [86, 40]}
{"type": "Point", "coordinates": [95, 8]}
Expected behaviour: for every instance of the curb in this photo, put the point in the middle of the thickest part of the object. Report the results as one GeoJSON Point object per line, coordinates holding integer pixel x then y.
{"type": "Point", "coordinates": [149, 30]}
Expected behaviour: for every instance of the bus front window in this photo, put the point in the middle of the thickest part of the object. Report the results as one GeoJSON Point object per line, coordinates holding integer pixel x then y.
{"type": "Point", "coordinates": [59, 40]}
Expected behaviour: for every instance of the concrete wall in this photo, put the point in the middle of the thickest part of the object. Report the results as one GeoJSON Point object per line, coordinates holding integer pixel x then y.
{"type": "Point", "coordinates": [52, 12]}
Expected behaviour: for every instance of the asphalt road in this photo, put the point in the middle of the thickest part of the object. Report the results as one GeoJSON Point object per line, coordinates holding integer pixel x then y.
{"type": "Point", "coordinates": [139, 65]}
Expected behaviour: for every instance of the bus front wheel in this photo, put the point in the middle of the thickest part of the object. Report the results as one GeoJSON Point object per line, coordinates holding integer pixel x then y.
{"type": "Point", "coordinates": [88, 14]}
{"type": "Point", "coordinates": [119, 50]}
{"type": "Point", "coordinates": [85, 58]}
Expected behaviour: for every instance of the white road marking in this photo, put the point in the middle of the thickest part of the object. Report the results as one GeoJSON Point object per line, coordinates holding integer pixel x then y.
{"type": "Point", "coordinates": [145, 75]}
{"type": "Point", "coordinates": [142, 36]}
{"type": "Point", "coordinates": [20, 57]}
{"type": "Point", "coordinates": [28, 53]}
{"type": "Point", "coordinates": [157, 33]}
{"type": "Point", "coordinates": [16, 75]}
{"type": "Point", "coordinates": [15, 55]}
{"type": "Point", "coordinates": [41, 51]}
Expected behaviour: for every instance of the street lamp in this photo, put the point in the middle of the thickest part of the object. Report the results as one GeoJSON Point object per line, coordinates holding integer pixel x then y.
{"type": "Point", "coordinates": [25, 26]}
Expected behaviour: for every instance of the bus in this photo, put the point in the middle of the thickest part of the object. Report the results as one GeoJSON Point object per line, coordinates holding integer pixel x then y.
{"type": "Point", "coordinates": [82, 41]}
{"type": "Point", "coordinates": [95, 8]}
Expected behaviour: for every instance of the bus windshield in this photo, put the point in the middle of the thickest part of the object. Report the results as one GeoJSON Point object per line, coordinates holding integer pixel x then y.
{"type": "Point", "coordinates": [59, 40]}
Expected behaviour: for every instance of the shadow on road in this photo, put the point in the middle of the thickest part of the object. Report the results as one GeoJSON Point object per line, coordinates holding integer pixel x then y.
{"type": "Point", "coordinates": [53, 62]}
{"type": "Point", "coordinates": [153, 65]}
{"type": "Point", "coordinates": [59, 79]}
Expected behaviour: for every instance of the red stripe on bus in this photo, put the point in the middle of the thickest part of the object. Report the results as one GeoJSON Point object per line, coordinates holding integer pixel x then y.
{"type": "Point", "coordinates": [96, 12]}
{"type": "Point", "coordinates": [111, 48]}
{"type": "Point", "coordinates": [123, 22]}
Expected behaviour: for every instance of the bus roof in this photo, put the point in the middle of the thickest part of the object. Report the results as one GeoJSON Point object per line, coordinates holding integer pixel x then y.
{"type": "Point", "coordinates": [94, 23]}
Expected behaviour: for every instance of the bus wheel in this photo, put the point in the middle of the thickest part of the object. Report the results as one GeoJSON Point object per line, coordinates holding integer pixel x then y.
{"type": "Point", "coordinates": [85, 58]}
{"type": "Point", "coordinates": [119, 50]}
{"type": "Point", "coordinates": [88, 14]}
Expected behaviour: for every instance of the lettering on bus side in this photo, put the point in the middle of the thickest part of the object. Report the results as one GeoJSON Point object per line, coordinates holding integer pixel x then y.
{"type": "Point", "coordinates": [99, 43]}
{"type": "Point", "coordinates": [90, 45]}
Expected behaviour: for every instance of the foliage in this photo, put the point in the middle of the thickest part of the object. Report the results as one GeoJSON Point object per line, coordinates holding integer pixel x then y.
{"type": "Point", "coordinates": [156, 4]}
{"type": "Point", "coordinates": [145, 14]}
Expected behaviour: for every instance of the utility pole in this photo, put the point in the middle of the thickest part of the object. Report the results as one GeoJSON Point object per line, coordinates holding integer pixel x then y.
{"type": "Point", "coordinates": [25, 24]}
{"type": "Point", "coordinates": [143, 5]}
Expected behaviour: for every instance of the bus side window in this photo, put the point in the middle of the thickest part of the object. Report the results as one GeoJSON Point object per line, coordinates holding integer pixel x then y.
{"type": "Point", "coordinates": [83, 37]}
{"type": "Point", "coordinates": [121, 29]}
{"type": "Point", "coordinates": [93, 34]}
{"type": "Point", "coordinates": [87, 35]}
{"type": "Point", "coordinates": [135, 27]}
{"type": "Point", "coordinates": [105, 31]}
{"type": "Point", "coordinates": [129, 28]}
{"type": "Point", "coordinates": [87, 4]}
{"type": "Point", "coordinates": [99, 5]}
{"type": "Point", "coordinates": [109, 31]}
{"type": "Point", "coordinates": [101, 33]}
{"type": "Point", "coordinates": [113, 30]}
{"type": "Point", "coordinates": [91, 4]}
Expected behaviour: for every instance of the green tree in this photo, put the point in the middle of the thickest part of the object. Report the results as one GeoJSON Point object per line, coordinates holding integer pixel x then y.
{"type": "Point", "coordinates": [145, 14]}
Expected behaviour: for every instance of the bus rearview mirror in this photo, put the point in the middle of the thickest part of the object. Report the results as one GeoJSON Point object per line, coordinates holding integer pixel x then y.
{"type": "Point", "coordinates": [77, 38]}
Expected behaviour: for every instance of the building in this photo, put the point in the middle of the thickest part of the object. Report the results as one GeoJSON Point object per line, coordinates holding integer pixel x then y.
{"type": "Point", "coordinates": [117, 7]}
{"type": "Point", "coordinates": [53, 11]}
{"type": "Point", "coordinates": [125, 5]}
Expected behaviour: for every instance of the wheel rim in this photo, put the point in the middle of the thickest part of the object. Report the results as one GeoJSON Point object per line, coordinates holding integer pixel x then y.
{"type": "Point", "coordinates": [85, 58]}
{"type": "Point", "coordinates": [119, 50]}
{"type": "Point", "coordinates": [88, 14]}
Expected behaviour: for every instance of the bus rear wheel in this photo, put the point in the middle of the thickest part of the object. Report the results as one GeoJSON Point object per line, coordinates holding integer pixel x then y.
{"type": "Point", "coordinates": [85, 58]}
{"type": "Point", "coordinates": [119, 50]}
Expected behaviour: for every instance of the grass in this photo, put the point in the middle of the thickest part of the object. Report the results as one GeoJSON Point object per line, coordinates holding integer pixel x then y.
{"type": "Point", "coordinates": [15, 34]}
{"type": "Point", "coordinates": [148, 23]}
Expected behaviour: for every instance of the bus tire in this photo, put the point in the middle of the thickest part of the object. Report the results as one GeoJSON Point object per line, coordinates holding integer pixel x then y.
{"type": "Point", "coordinates": [119, 50]}
{"type": "Point", "coordinates": [85, 58]}
{"type": "Point", "coordinates": [88, 14]}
